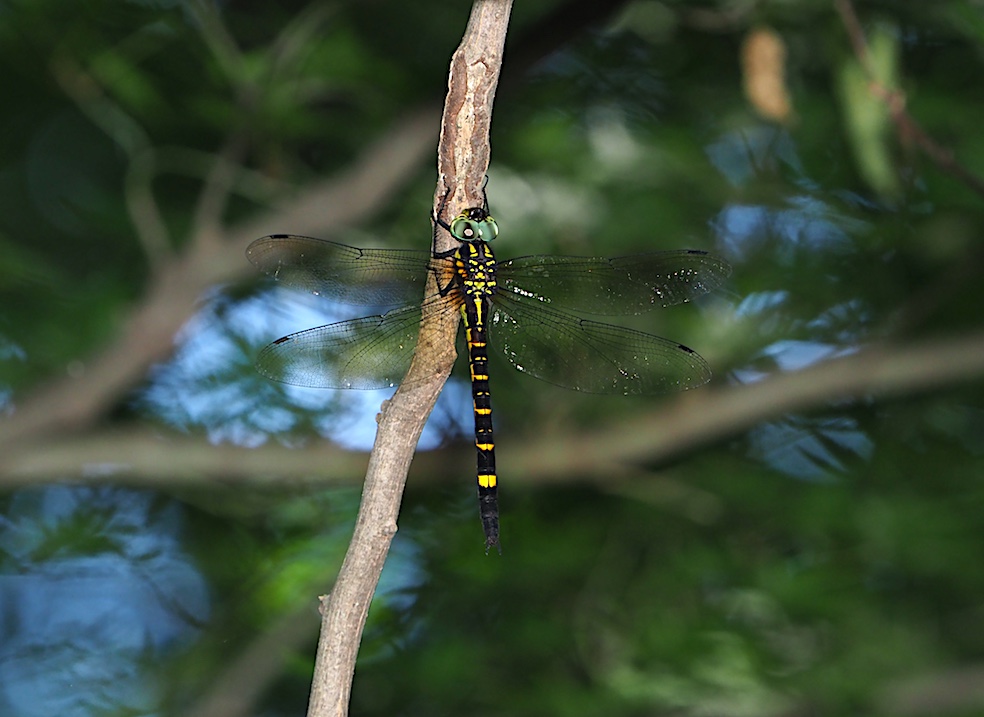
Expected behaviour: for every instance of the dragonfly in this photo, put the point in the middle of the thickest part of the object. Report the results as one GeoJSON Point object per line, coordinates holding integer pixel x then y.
{"type": "Point", "coordinates": [527, 308]}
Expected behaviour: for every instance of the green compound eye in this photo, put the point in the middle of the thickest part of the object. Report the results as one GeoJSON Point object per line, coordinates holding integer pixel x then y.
{"type": "Point", "coordinates": [474, 224]}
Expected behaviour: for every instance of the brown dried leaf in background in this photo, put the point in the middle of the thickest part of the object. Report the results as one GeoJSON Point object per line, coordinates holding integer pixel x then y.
{"type": "Point", "coordinates": [763, 62]}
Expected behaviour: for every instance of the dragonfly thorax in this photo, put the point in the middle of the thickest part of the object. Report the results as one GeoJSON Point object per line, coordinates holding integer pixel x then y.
{"type": "Point", "coordinates": [474, 267]}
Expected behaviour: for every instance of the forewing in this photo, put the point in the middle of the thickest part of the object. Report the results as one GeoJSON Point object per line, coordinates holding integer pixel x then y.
{"type": "Point", "coordinates": [589, 356]}
{"type": "Point", "coordinates": [372, 352]}
{"type": "Point", "coordinates": [375, 277]}
{"type": "Point", "coordinates": [611, 287]}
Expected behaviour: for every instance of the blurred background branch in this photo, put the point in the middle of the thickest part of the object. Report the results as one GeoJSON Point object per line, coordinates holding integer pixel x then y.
{"type": "Point", "coordinates": [883, 88]}
{"type": "Point", "coordinates": [678, 427]}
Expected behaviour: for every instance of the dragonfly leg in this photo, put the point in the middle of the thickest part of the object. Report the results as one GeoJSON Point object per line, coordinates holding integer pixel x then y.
{"type": "Point", "coordinates": [438, 222]}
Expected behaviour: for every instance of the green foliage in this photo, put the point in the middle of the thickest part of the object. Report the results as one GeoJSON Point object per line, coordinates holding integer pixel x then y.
{"type": "Point", "coordinates": [821, 562]}
{"type": "Point", "coordinates": [868, 116]}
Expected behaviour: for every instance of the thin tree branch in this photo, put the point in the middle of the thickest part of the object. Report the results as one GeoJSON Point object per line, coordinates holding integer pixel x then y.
{"type": "Point", "coordinates": [959, 690]}
{"type": "Point", "coordinates": [346, 198]}
{"type": "Point", "coordinates": [680, 425]}
{"type": "Point", "coordinates": [906, 126]}
{"type": "Point", "coordinates": [144, 458]}
{"type": "Point", "coordinates": [102, 111]}
{"type": "Point", "coordinates": [73, 403]}
{"type": "Point", "coordinates": [215, 34]}
{"type": "Point", "coordinates": [206, 224]}
{"type": "Point", "coordinates": [462, 162]}
{"type": "Point", "coordinates": [464, 150]}
{"type": "Point", "coordinates": [251, 672]}
{"type": "Point", "coordinates": [700, 417]}
{"type": "Point", "coordinates": [141, 205]}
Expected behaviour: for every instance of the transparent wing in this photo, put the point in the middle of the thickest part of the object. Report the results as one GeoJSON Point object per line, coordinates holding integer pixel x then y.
{"type": "Point", "coordinates": [375, 277]}
{"type": "Point", "coordinates": [589, 356]}
{"type": "Point", "coordinates": [372, 352]}
{"type": "Point", "coordinates": [611, 287]}
{"type": "Point", "coordinates": [527, 321]}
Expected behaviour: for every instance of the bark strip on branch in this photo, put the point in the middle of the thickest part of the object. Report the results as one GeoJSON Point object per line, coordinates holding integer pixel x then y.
{"type": "Point", "coordinates": [463, 158]}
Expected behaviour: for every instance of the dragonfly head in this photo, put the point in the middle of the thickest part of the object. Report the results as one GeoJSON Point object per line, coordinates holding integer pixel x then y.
{"type": "Point", "coordinates": [474, 224]}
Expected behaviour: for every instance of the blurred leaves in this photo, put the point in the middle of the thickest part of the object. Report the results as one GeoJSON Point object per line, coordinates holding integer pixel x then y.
{"type": "Point", "coordinates": [810, 565]}
{"type": "Point", "coordinates": [866, 85]}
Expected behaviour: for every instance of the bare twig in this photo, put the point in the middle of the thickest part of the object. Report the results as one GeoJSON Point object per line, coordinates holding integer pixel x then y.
{"type": "Point", "coordinates": [959, 690]}
{"type": "Point", "coordinates": [206, 225]}
{"type": "Point", "coordinates": [691, 420]}
{"type": "Point", "coordinates": [251, 672]}
{"type": "Point", "coordinates": [106, 114]}
{"type": "Point", "coordinates": [141, 205]}
{"type": "Point", "coordinates": [464, 150]}
{"type": "Point", "coordinates": [74, 402]}
{"type": "Point", "coordinates": [215, 34]}
{"type": "Point", "coordinates": [699, 417]}
{"type": "Point", "coordinates": [908, 129]}
{"type": "Point", "coordinates": [462, 162]}
{"type": "Point", "coordinates": [144, 458]}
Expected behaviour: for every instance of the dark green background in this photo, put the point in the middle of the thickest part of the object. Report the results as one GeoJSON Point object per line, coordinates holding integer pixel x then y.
{"type": "Point", "coordinates": [827, 562]}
